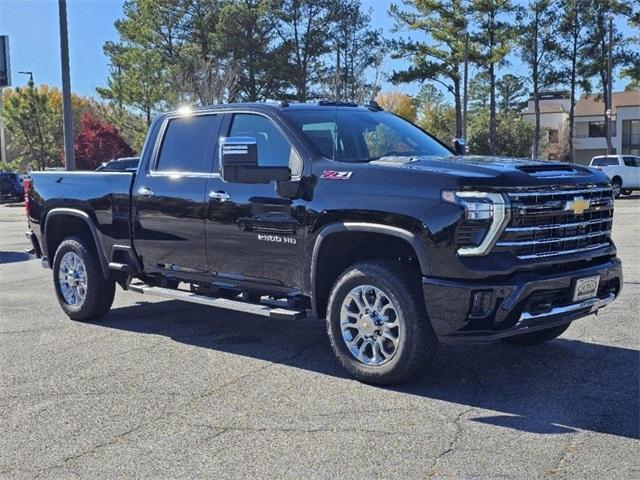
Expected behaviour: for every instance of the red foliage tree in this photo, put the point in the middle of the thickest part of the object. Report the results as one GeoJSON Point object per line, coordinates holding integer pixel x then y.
{"type": "Point", "coordinates": [98, 142]}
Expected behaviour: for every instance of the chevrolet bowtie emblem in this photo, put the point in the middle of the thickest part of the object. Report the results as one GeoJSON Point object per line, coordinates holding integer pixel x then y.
{"type": "Point", "coordinates": [578, 205]}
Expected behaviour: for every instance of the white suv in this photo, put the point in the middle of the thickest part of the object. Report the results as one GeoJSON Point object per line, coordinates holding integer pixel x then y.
{"type": "Point", "coordinates": [623, 170]}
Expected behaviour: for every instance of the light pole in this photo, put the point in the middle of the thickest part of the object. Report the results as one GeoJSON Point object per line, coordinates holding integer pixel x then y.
{"type": "Point", "coordinates": [609, 111]}
{"type": "Point", "coordinates": [5, 81]}
{"type": "Point", "coordinates": [30, 76]}
{"type": "Point", "coordinates": [465, 97]}
{"type": "Point", "coordinates": [67, 114]}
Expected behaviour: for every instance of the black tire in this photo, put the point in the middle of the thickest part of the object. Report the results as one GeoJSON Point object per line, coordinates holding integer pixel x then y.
{"type": "Point", "coordinates": [99, 290]}
{"type": "Point", "coordinates": [417, 342]}
{"type": "Point", "coordinates": [626, 191]}
{"type": "Point", "coordinates": [541, 336]}
{"type": "Point", "coordinates": [616, 185]}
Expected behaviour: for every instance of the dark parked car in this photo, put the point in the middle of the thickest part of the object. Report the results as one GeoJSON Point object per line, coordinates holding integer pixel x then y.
{"type": "Point", "coordinates": [125, 164]}
{"type": "Point", "coordinates": [398, 241]}
{"type": "Point", "coordinates": [10, 187]}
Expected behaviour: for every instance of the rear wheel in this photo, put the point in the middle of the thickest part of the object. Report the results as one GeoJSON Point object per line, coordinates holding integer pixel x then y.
{"type": "Point", "coordinates": [377, 323]}
{"type": "Point", "coordinates": [616, 186]}
{"type": "Point", "coordinates": [626, 191]}
{"type": "Point", "coordinates": [82, 290]}
{"type": "Point", "coordinates": [541, 336]}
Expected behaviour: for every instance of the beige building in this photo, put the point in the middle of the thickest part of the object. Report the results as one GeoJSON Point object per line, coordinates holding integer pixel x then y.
{"type": "Point", "coordinates": [589, 137]}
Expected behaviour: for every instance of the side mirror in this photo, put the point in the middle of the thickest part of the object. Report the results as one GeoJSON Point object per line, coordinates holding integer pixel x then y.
{"type": "Point", "coordinates": [460, 146]}
{"type": "Point", "coordinates": [239, 163]}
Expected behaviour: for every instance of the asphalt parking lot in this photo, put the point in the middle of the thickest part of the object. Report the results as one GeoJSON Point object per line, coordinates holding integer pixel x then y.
{"type": "Point", "coordinates": [164, 389]}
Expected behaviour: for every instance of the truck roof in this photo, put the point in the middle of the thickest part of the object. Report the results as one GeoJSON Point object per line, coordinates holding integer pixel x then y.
{"type": "Point", "coordinates": [285, 105]}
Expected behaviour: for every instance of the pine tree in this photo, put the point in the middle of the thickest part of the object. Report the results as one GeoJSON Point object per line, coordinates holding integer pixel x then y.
{"type": "Point", "coordinates": [538, 30]}
{"type": "Point", "coordinates": [495, 37]}
{"type": "Point", "coordinates": [357, 49]}
{"type": "Point", "coordinates": [440, 58]}
{"type": "Point", "coordinates": [304, 27]}
{"type": "Point", "coordinates": [570, 52]}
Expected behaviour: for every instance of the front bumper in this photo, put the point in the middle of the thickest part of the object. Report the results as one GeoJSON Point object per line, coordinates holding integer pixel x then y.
{"type": "Point", "coordinates": [521, 303]}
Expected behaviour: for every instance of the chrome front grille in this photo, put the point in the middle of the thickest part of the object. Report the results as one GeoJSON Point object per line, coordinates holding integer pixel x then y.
{"type": "Point", "coordinates": [549, 223]}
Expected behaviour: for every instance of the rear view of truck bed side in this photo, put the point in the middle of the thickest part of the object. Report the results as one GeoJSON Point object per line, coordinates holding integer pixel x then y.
{"type": "Point", "coordinates": [88, 204]}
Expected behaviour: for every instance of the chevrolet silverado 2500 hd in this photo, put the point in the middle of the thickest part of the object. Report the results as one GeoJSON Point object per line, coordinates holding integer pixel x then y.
{"type": "Point", "coordinates": [348, 212]}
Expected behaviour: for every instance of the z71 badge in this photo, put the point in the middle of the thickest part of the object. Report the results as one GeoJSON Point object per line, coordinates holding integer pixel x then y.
{"type": "Point", "coordinates": [336, 175]}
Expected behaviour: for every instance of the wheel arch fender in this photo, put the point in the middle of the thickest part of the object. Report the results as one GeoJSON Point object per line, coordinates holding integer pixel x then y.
{"type": "Point", "coordinates": [411, 238]}
{"type": "Point", "coordinates": [57, 213]}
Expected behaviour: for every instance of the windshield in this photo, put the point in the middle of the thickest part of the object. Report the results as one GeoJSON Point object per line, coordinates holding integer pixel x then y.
{"type": "Point", "coordinates": [362, 136]}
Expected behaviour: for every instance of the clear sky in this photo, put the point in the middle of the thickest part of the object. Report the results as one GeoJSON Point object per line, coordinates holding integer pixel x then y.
{"type": "Point", "coordinates": [32, 26]}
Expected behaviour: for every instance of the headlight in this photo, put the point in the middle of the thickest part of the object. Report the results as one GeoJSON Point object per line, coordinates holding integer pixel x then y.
{"type": "Point", "coordinates": [486, 215]}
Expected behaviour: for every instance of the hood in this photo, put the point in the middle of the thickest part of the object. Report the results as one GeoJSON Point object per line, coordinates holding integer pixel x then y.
{"type": "Point", "coordinates": [496, 170]}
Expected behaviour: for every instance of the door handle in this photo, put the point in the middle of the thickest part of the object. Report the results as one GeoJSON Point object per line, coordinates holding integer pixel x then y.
{"type": "Point", "coordinates": [219, 195]}
{"type": "Point", "coordinates": [145, 192]}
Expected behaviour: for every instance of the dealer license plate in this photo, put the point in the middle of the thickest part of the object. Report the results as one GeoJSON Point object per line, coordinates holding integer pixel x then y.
{"type": "Point", "coordinates": [586, 288]}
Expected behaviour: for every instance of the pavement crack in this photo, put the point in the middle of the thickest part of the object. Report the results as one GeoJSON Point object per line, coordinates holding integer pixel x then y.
{"type": "Point", "coordinates": [240, 378]}
{"type": "Point", "coordinates": [159, 418]}
{"type": "Point", "coordinates": [90, 451]}
{"type": "Point", "coordinates": [565, 456]}
{"type": "Point", "coordinates": [324, 429]}
{"type": "Point", "coordinates": [433, 470]}
{"type": "Point", "coordinates": [32, 330]}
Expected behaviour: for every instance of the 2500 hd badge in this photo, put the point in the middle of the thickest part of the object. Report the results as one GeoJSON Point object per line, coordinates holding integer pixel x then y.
{"type": "Point", "coordinates": [276, 239]}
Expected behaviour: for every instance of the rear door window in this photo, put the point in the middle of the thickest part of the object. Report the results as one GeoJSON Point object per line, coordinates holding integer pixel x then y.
{"type": "Point", "coordinates": [188, 144]}
{"type": "Point", "coordinates": [631, 161]}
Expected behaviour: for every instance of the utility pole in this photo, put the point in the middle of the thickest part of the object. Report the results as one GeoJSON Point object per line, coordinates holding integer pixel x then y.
{"type": "Point", "coordinates": [336, 92]}
{"type": "Point", "coordinates": [466, 84]}
{"type": "Point", "coordinates": [70, 162]}
{"type": "Point", "coordinates": [609, 111]}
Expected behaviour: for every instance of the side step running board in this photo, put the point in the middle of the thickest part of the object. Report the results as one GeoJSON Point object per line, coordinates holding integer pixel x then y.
{"type": "Point", "coordinates": [252, 308]}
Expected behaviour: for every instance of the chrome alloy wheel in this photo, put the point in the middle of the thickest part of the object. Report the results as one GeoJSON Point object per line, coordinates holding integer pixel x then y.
{"type": "Point", "coordinates": [617, 188]}
{"type": "Point", "coordinates": [371, 325]}
{"type": "Point", "coordinates": [72, 276]}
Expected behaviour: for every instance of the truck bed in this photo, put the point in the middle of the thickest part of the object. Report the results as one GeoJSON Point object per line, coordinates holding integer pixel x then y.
{"type": "Point", "coordinates": [104, 197]}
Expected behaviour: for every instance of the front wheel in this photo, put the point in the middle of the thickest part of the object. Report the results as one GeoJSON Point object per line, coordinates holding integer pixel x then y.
{"type": "Point", "coordinates": [377, 323]}
{"type": "Point", "coordinates": [541, 336]}
{"type": "Point", "coordinates": [616, 186]}
{"type": "Point", "coordinates": [82, 290]}
{"type": "Point", "coordinates": [626, 191]}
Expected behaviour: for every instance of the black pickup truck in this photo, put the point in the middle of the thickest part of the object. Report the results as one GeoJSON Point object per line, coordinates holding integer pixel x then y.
{"type": "Point", "coordinates": [338, 211]}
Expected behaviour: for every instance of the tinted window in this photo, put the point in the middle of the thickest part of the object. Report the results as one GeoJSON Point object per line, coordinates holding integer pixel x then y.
{"type": "Point", "coordinates": [604, 161]}
{"type": "Point", "coordinates": [357, 135]}
{"type": "Point", "coordinates": [188, 144]}
{"type": "Point", "coordinates": [112, 167]}
{"type": "Point", "coordinates": [273, 147]}
{"type": "Point", "coordinates": [131, 164]}
{"type": "Point", "coordinates": [631, 161]}
{"type": "Point", "coordinates": [597, 129]}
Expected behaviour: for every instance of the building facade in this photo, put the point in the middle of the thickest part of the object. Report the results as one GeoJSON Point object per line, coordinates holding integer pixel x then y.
{"type": "Point", "coordinates": [589, 131]}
